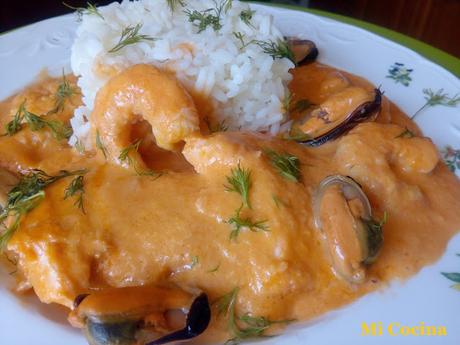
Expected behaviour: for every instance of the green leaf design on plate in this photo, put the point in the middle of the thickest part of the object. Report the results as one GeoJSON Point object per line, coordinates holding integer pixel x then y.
{"type": "Point", "coordinates": [454, 276]}
{"type": "Point", "coordinates": [451, 157]}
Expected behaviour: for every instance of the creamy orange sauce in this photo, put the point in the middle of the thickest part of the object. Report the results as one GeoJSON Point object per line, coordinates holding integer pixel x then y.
{"type": "Point", "coordinates": [141, 231]}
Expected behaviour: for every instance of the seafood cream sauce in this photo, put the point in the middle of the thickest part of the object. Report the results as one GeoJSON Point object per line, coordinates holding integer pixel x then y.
{"type": "Point", "coordinates": [162, 225]}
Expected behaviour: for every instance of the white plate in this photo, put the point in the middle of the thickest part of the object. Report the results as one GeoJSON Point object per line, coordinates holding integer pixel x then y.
{"type": "Point", "coordinates": [427, 297]}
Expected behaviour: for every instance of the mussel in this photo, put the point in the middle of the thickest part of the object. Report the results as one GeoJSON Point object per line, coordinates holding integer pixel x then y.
{"type": "Point", "coordinates": [338, 114]}
{"type": "Point", "coordinates": [138, 315]}
{"type": "Point", "coordinates": [344, 215]}
{"type": "Point", "coordinates": [305, 51]}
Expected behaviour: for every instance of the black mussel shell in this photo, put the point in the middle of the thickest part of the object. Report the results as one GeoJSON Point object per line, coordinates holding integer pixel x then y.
{"type": "Point", "coordinates": [198, 320]}
{"type": "Point", "coordinates": [305, 51]}
{"type": "Point", "coordinates": [364, 112]}
{"type": "Point", "coordinates": [111, 333]}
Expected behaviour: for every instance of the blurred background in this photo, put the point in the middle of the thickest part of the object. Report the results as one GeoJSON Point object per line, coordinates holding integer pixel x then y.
{"type": "Point", "coordinates": [436, 22]}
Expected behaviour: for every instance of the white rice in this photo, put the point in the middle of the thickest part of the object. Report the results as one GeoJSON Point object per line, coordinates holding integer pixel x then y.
{"type": "Point", "coordinates": [246, 86]}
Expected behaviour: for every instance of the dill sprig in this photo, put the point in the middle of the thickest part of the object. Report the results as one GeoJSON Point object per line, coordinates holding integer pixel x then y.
{"type": "Point", "coordinates": [374, 236]}
{"type": "Point", "coordinates": [90, 9]}
{"type": "Point", "coordinates": [130, 35]}
{"type": "Point", "coordinates": [124, 157]}
{"type": "Point", "coordinates": [246, 16]}
{"type": "Point", "coordinates": [15, 125]}
{"type": "Point", "coordinates": [244, 326]}
{"type": "Point", "coordinates": [76, 188]}
{"type": "Point", "coordinates": [240, 37]}
{"type": "Point", "coordinates": [217, 127]}
{"type": "Point", "coordinates": [209, 17]}
{"type": "Point", "coordinates": [174, 4]}
{"type": "Point", "coordinates": [300, 106]}
{"type": "Point", "coordinates": [286, 164]}
{"type": "Point", "coordinates": [238, 223]}
{"type": "Point", "coordinates": [239, 181]}
{"type": "Point", "coordinates": [35, 122]}
{"type": "Point", "coordinates": [437, 98]}
{"type": "Point", "coordinates": [100, 145]}
{"type": "Point", "coordinates": [25, 196]}
{"type": "Point", "coordinates": [277, 50]}
{"type": "Point", "coordinates": [195, 261]}
{"type": "Point", "coordinates": [407, 133]}
{"type": "Point", "coordinates": [64, 91]}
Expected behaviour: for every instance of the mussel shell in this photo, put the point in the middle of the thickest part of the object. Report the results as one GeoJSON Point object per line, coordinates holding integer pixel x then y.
{"type": "Point", "coordinates": [364, 112]}
{"type": "Point", "coordinates": [305, 51]}
{"type": "Point", "coordinates": [349, 187]}
{"type": "Point", "coordinates": [111, 333]}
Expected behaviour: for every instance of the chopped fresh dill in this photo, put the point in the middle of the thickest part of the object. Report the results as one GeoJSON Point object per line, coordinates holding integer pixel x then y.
{"type": "Point", "coordinates": [239, 181]}
{"type": "Point", "coordinates": [195, 261]}
{"type": "Point", "coordinates": [90, 9]}
{"type": "Point", "coordinates": [240, 37]}
{"type": "Point", "coordinates": [100, 145]}
{"type": "Point", "coordinates": [76, 188]}
{"type": "Point", "coordinates": [124, 157]}
{"type": "Point", "coordinates": [246, 16]}
{"type": "Point", "coordinates": [277, 200]}
{"type": "Point", "coordinates": [218, 127]}
{"type": "Point", "coordinates": [407, 133]}
{"type": "Point", "coordinates": [215, 269]}
{"type": "Point", "coordinates": [374, 235]}
{"type": "Point", "coordinates": [209, 17]}
{"type": "Point", "coordinates": [64, 91]}
{"type": "Point", "coordinates": [437, 98]}
{"type": "Point", "coordinates": [287, 100]}
{"type": "Point", "coordinates": [130, 35]}
{"type": "Point", "coordinates": [277, 50]}
{"type": "Point", "coordinates": [80, 146]}
{"type": "Point", "coordinates": [238, 223]}
{"type": "Point", "coordinates": [245, 326]}
{"type": "Point", "coordinates": [15, 125]}
{"type": "Point", "coordinates": [300, 106]}
{"type": "Point", "coordinates": [286, 164]}
{"type": "Point", "coordinates": [24, 197]}
{"type": "Point", "coordinates": [296, 134]}
{"type": "Point", "coordinates": [60, 130]}
{"type": "Point", "coordinates": [174, 4]}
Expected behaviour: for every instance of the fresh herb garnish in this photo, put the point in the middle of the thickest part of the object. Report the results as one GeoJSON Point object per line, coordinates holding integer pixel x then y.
{"type": "Point", "coordinates": [124, 157]}
{"type": "Point", "coordinates": [60, 130]}
{"type": "Point", "coordinates": [25, 196]}
{"type": "Point", "coordinates": [76, 188]}
{"type": "Point", "coordinates": [296, 134]}
{"type": "Point", "coordinates": [246, 16]}
{"type": "Point", "coordinates": [130, 35]}
{"type": "Point", "coordinates": [209, 17]}
{"type": "Point", "coordinates": [277, 50]}
{"type": "Point", "coordinates": [218, 127]}
{"type": "Point", "coordinates": [407, 133]}
{"type": "Point", "coordinates": [90, 9]}
{"type": "Point", "coordinates": [277, 200]}
{"type": "Point", "coordinates": [195, 261]}
{"type": "Point", "coordinates": [286, 164]}
{"type": "Point", "coordinates": [374, 236]}
{"type": "Point", "coordinates": [100, 145]}
{"type": "Point", "coordinates": [245, 326]}
{"type": "Point", "coordinates": [300, 106]}
{"type": "Point", "coordinates": [215, 269]}
{"type": "Point", "coordinates": [437, 98]}
{"type": "Point", "coordinates": [238, 223]}
{"type": "Point", "coordinates": [240, 182]}
{"type": "Point", "coordinates": [15, 125]}
{"type": "Point", "coordinates": [63, 92]}
{"type": "Point", "coordinates": [240, 37]}
{"type": "Point", "coordinates": [80, 146]}
{"type": "Point", "coordinates": [173, 4]}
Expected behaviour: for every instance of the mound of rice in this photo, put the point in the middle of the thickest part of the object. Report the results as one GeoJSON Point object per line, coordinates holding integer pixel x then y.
{"type": "Point", "coordinates": [245, 85]}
